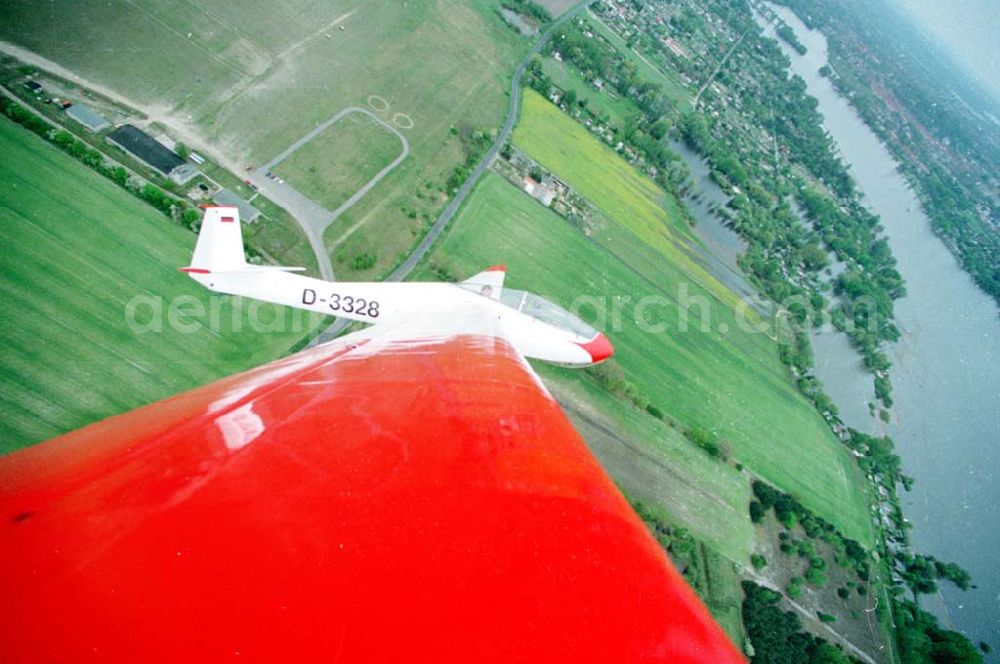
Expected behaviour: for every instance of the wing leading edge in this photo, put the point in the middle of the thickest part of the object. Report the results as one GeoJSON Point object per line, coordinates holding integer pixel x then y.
{"type": "Point", "coordinates": [367, 500]}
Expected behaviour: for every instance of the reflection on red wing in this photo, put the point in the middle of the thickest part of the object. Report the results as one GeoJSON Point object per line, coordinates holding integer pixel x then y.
{"type": "Point", "coordinates": [418, 502]}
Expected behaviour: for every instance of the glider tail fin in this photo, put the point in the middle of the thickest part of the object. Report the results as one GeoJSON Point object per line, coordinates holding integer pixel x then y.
{"type": "Point", "coordinates": [489, 282]}
{"type": "Point", "coordinates": [220, 242]}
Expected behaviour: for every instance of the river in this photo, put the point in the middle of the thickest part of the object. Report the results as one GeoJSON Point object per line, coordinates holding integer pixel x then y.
{"type": "Point", "coordinates": [946, 370]}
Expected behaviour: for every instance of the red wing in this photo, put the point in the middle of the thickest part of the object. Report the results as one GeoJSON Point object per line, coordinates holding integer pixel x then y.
{"type": "Point", "coordinates": [414, 502]}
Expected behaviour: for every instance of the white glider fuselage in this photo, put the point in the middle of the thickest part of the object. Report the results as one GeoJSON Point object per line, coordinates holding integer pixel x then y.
{"type": "Point", "coordinates": [537, 328]}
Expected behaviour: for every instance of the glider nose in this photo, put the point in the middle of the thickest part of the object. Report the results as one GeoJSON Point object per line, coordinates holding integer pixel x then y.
{"type": "Point", "coordinates": [599, 348]}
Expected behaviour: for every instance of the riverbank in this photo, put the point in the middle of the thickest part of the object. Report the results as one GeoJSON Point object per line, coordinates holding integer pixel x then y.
{"type": "Point", "coordinates": [946, 367]}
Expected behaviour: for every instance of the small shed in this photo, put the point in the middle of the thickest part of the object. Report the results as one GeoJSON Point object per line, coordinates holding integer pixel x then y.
{"type": "Point", "coordinates": [184, 173]}
{"type": "Point", "coordinates": [248, 213]}
{"type": "Point", "coordinates": [88, 117]}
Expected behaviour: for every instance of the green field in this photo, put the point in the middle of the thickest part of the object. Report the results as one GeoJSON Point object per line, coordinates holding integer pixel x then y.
{"type": "Point", "coordinates": [655, 463]}
{"type": "Point", "coordinates": [330, 168]}
{"type": "Point", "coordinates": [725, 378]}
{"type": "Point", "coordinates": [626, 196]}
{"type": "Point", "coordinates": [557, 7]}
{"type": "Point", "coordinates": [724, 594]}
{"type": "Point", "coordinates": [77, 250]}
{"type": "Point", "coordinates": [249, 88]}
{"type": "Point", "coordinates": [730, 384]}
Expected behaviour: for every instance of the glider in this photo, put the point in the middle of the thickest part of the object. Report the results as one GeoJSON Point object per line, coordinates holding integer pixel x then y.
{"type": "Point", "coordinates": [409, 492]}
{"type": "Point", "coordinates": [537, 328]}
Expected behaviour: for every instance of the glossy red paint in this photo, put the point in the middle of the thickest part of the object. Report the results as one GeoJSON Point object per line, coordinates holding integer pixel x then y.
{"type": "Point", "coordinates": [411, 502]}
{"type": "Point", "coordinates": [599, 347]}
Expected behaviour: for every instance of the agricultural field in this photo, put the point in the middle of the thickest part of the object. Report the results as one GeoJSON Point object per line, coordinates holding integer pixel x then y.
{"type": "Point", "coordinates": [329, 169]}
{"type": "Point", "coordinates": [596, 171]}
{"type": "Point", "coordinates": [243, 90]}
{"type": "Point", "coordinates": [730, 384]}
{"type": "Point", "coordinates": [77, 250]}
{"type": "Point", "coordinates": [657, 464]}
{"type": "Point", "coordinates": [748, 398]}
{"type": "Point", "coordinates": [556, 7]}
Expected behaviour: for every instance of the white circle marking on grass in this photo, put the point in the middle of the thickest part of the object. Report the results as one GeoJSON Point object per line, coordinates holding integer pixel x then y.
{"type": "Point", "coordinates": [402, 120]}
{"type": "Point", "coordinates": [379, 104]}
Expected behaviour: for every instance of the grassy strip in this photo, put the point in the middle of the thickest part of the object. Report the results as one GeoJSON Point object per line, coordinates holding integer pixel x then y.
{"type": "Point", "coordinates": [78, 251]}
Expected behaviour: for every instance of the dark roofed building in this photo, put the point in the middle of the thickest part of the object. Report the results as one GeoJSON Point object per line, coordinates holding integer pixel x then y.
{"type": "Point", "coordinates": [145, 148]}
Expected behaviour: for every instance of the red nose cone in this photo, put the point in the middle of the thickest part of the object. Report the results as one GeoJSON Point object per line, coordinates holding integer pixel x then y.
{"type": "Point", "coordinates": [599, 348]}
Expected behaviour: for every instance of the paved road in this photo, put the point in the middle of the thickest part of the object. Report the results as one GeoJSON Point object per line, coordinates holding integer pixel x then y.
{"type": "Point", "coordinates": [439, 226]}
{"type": "Point", "coordinates": [313, 217]}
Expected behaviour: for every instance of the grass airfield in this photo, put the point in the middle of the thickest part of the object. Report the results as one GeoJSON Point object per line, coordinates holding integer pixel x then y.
{"type": "Point", "coordinates": [249, 89]}
{"type": "Point", "coordinates": [77, 249]}
{"type": "Point", "coordinates": [329, 168]}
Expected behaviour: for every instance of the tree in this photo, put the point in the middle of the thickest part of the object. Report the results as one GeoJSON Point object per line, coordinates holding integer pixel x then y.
{"type": "Point", "coordinates": [953, 573]}
{"type": "Point", "coordinates": [814, 258]}
{"type": "Point", "coordinates": [949, 647]}
{"type": "Point", "coordinates": [757, 511]}
{"type": "Point", "coordinates": [766, 494]}
{"type": "Point", "coordinates": [182, 150]}
{"type": "Point", "coordinates": [362, 262]}
{"type": "Point", "coordinates": [570, 98]}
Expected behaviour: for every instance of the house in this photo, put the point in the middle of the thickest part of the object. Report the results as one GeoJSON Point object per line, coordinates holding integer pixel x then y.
{"type": "Point", "coordinates": [145, 148]}
{"type": "Point", "coordinates": [541, 192]}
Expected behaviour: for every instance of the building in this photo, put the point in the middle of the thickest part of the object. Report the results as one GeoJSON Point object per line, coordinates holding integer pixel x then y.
{"type": "Point", "coordinates": [248, 213]}
{"type": "Point", "coordinates": [145, 148]}
{"type": "Point", "coordinates": [540, 191]}
{"type": "Point", "coordinates": [184, 173]}
{"type": "Point", "coordinates": [89, 118]}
